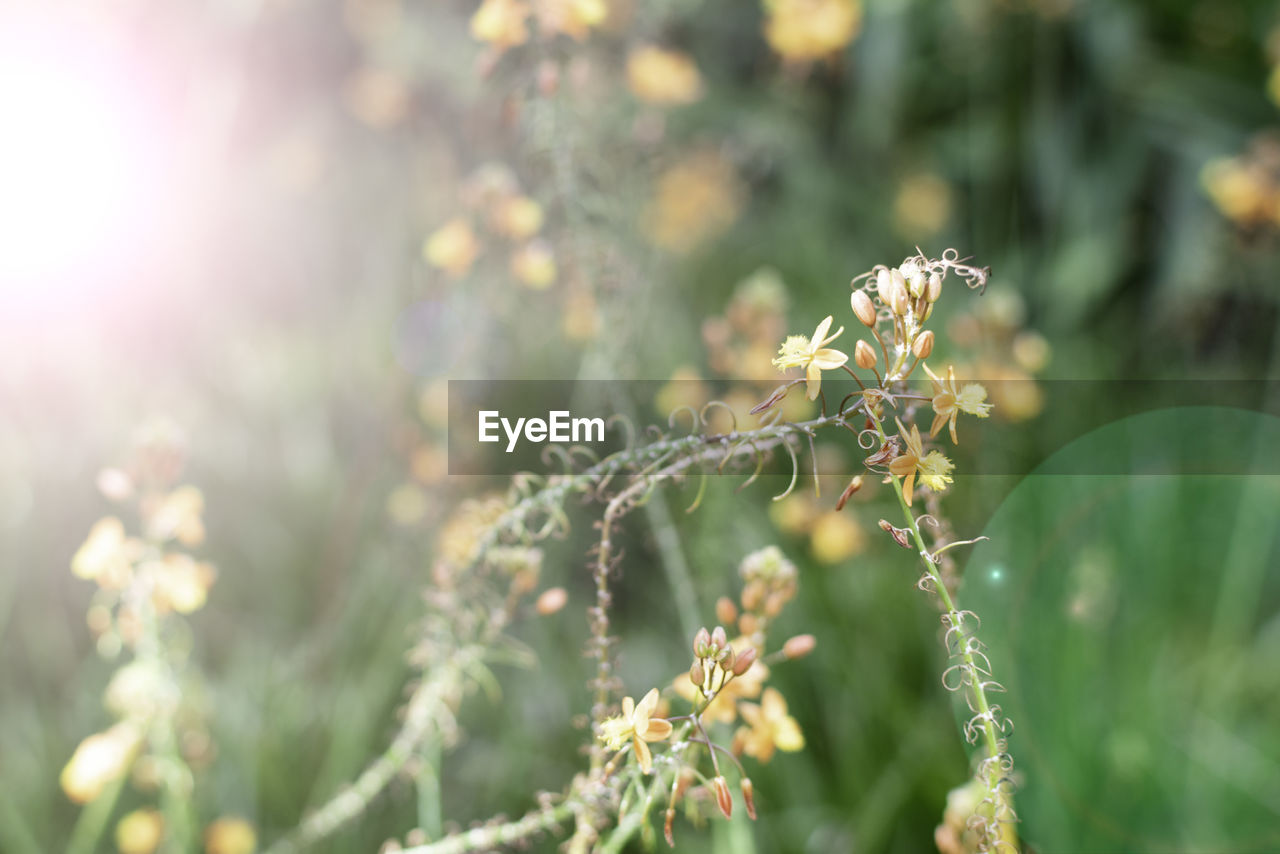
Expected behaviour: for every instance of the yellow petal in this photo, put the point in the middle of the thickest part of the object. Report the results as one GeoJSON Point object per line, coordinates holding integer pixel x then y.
{"type": "Point", "coordinates": [820, 333]}
{"type": "Point", "coordinates": [829, 360]}
{"type": "Point", "coordinates": [773, 704]}
{"type": "Point", "coordinates": [658, 730]}
{"type": "Point", "coordinates": [787, 735]}
{"type": "Point", "coordinates": [813, 377]}
{"type": "Point", "coordinates": [643, 754]}
{"type": "Point", "coordinates": [628, 708]}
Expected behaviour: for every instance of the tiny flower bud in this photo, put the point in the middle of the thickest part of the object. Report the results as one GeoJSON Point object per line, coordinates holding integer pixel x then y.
{"type": "Point", "coordinates": [863, 355]}
{"type": "Point", "coordinates": [726, 611]}
{"type": "Point", "coordinates": [718, 637]}
{"type": "Point", "coordinates": [854, 486]}
{"type": "Point", "coordinates": [726, 659]}
{"type": "Point", "coordinates": [898, 299]}
{"type": "Point", "coordinates": [751, 595]}
{"type": "Point", "coordinates": [884, 283]}
{"type": "Point", "coordinates": [935, 287]}
{"type": "Point", "coordinates": [551, 600]}
{"type": "Point", "coordinates": [798, 646]}
{"type": "Point", "coordinates": [744, 662]}
{"type": "Point", "coordinates": [748, 623]}
{"type": "Point", "coordinates": [863, 308]}
{"type": "Point", "coordinates": [724, 798]}
{"type": "Point", "coordinates": [917, 283]}
{"type": "Point", "coordinates": [701, 641]}
{"type": "Point", "coordinates": [696, 674]}
{"type": "Point", "coordinates": [749, 797]}
{"type": "Point", "coordinates": [923, 345]}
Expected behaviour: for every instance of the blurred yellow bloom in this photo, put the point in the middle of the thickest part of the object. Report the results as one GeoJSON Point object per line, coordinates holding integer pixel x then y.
{"type": "Point", "coordinates": [836, 537]}
{"type": "Point", "coordinates": [696, 200]}
{"type": "Point", "coordinates": [574, 18]}
{"type": "Point", "coordinates": [685, 388]}
{"type": "Point", "coordinates": [581, 317]}
{"type": "Point", "coordinates": [139, 832]}
{"type": "Point", "coordinates": [812, 355]}
{"type": "Point", "coordinates": [106, 556]}
{"type": "Point", "coordinates": [100, 759]}
{"type": "Point", "coordinates": [802, 30]}
{"type": "Point", "coordinates": [501, 23]}
{"type": "Point", "coordinates": [922, 204]}
{"type": "Point", "coordinates": [230, 835]}
{"type": "Point", "coordinates": [1241, 191]}
{"type": "Point", "coordinates": [663, 76]}
{"type": "Point", "coordinates": [452, 247]}
{"type": "Point", "coordinates": [949, 401]}
{"type": "Point", "coordinates": [180, 583]}
{"type": "Point", "coordinates": [534, 265]}
{"type": "Point", "coordinates": [637, 725]}
{"type": "Point", "coordinates": [769, 727]}
{"type": "Point", "coordinates": [177, 516]}
{"type": "Point", "coordinates": [516, 217]}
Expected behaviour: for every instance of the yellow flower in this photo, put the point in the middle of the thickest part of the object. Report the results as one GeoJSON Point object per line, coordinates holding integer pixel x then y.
{"type": "Point", "coordinates": [181, 584]}
{"type": "Point", "coordinates": [501, 23]}
{"type": "Point", "coordinates": [107, 555]}
{"type": "Point", "coordinates": [139, 832]}
{"type": "Point", "coordinates": [769, 727]}
{"type": "Point", "coordinates": [534, 265]}
{"type": "Point", "coordinates": [517, 217]}
{"type": "Point", "coordinates": [636, 725]}
{"type": "Point", "coordinates": [574, 18]}
{"type": "Point", "coordinates": [934, 469]}
{"type": "Point", "coordinates": [802, 30]}
{"type": "Point", "coordinates": [696, 200]}
{"type": "Point", "coordinates": [949, 401]}
{"type": "Point", "coordinates": [100, 759]}
{"type": "Point", "coordinates": [452, 247]}
{"type": "Point", "coordinates": [663, 76]}
{"type": "Point", "coordinates": [177, 516]}
{"type": "Point", "coordinates": [810, 353]}
{"type": "Point", "coordinates": [230, 836]}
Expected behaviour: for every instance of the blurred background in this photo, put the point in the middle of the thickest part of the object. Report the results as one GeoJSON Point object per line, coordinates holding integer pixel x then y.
{"type": "Point", "coordinates": [285, 225]}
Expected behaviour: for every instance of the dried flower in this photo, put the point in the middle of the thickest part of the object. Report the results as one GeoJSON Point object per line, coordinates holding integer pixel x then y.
{"type": "Point", "coordinates": [811, 354]}
{"type": "Point", "coordinates": [724, 798]}
{"type": "Point", "coordinates": [636, 725]}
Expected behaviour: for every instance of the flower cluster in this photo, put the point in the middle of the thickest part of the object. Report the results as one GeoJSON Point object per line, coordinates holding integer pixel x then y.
{"type": "Point", "coordinates": [492, 195]}
{"type": "Point", "coordinates": [146, 582]}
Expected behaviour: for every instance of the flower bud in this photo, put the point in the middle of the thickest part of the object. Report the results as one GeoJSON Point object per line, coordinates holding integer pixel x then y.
{"type": "Point", "coordinates": [863, 355]}
{"type": "Point", "coordinates": [916, 283]}
{"type": "Point", "coordinates": [727, 657]}
{"type": "Point", "coordinates": [551, 600]}
{"type": "Point", "coordinates": [923, 345]}
{"type": "Point", "coordinates": [749, 797]}
{"type": "Point", "coordinates": [798, 646]}
{"type": "Point", "coordinates": [701, 641]}
{"type": "Point", "coordinates": [748, 623]}
{"type": "Point", "coordinates": [718, 638]}
{"type": "Point", "coordinates": [898, 299]}
{"type": "Point", "coordinates": [696, 674]}
{"type": "Point", "coordinates": [884, 282]}
{"type": "Point", "coordinates": [935, 287]}
{"type": "Point", "coordinates": [744, 662]}
{"type": "Point", "coordinates": [863, 308]}
{"type": "Point", "coordinates": [726, 611]}
{"type": "Point", "coordinates": [724, 798]}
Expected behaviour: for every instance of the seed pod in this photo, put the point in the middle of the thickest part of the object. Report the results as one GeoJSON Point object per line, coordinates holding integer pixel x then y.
{"type": "Point", "coordinates": [798, 646]}
{"type": "Point", "coordinates": [744, 662]}
{"type": "Point", "coordinates": [863, 355]}
{"type": "Point", "coordinates": [724, 798]}
{"type": "Point", "coordinates": [863, 307]}
{"type": "Point", "coordinates": [749, 797]}
{"type": "Point", "coordinates": [726, 611]}
{"type": "Point", "coordinates": [923, 345]}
